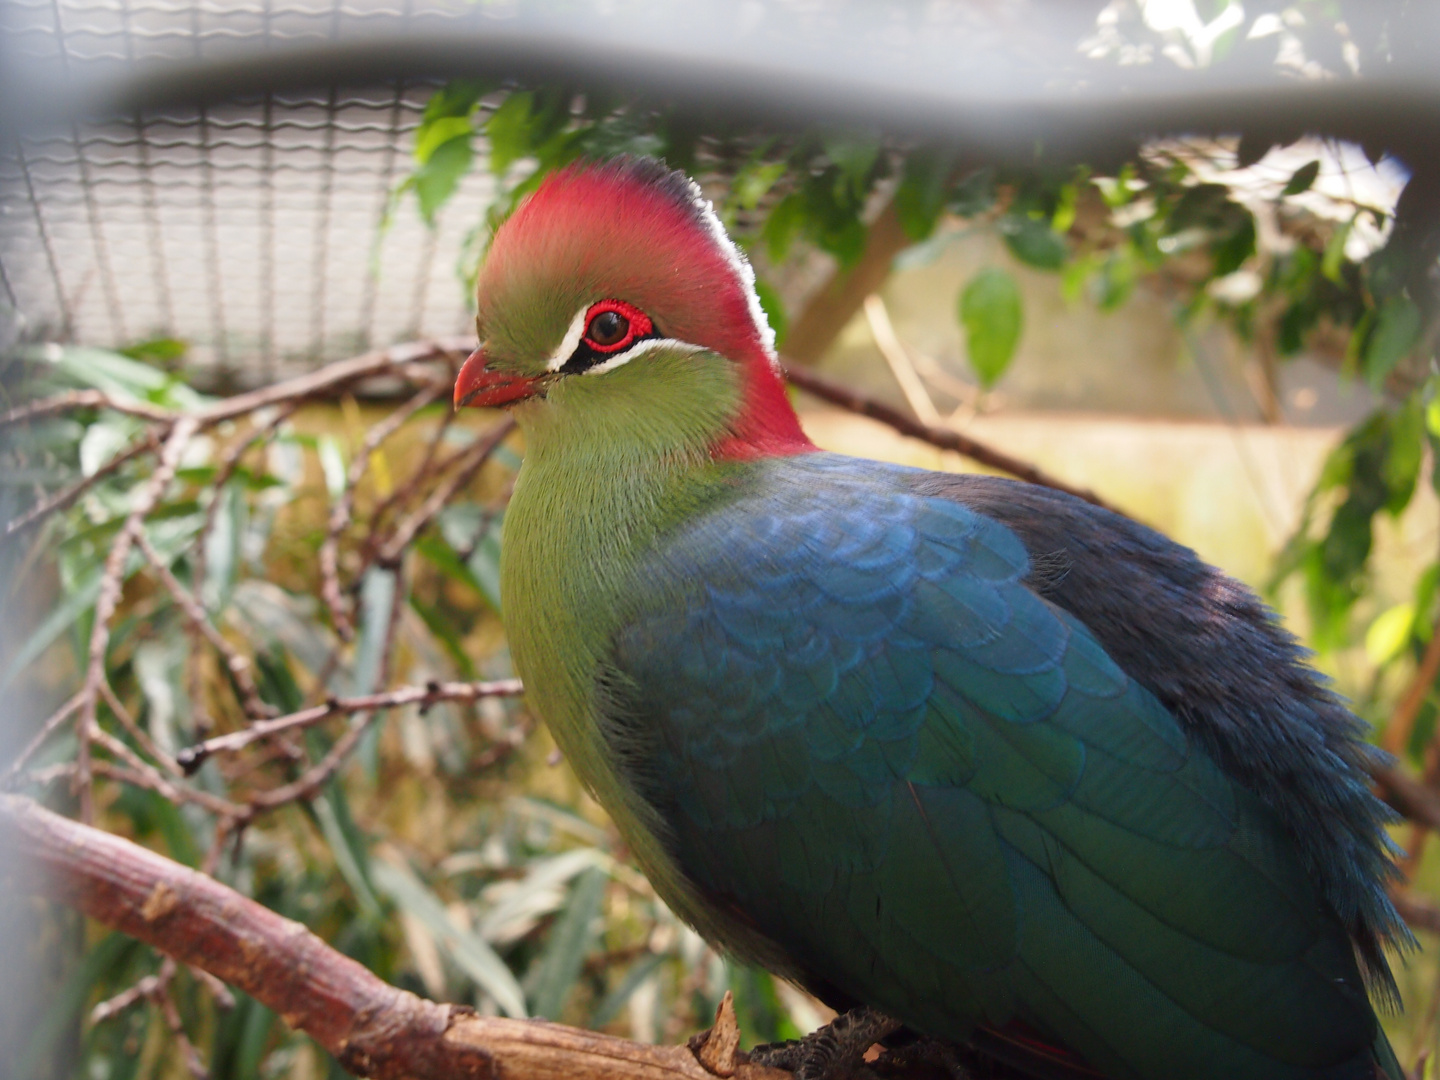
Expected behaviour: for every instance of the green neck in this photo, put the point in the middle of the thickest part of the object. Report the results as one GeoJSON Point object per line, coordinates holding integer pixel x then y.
{"type": "Point", "coordinates": [611, 462]}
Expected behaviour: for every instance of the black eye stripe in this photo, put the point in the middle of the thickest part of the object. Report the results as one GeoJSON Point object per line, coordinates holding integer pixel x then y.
{"type": "Point", "coordinates": [586, 356]}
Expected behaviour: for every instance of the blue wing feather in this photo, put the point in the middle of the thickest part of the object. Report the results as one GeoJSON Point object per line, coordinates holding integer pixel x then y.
{"type": "Point", "coordinates": [941, 796]}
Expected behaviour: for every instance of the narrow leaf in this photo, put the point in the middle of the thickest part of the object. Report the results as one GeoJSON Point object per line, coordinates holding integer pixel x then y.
{"type": "Point", "coordinates": [1397, 329]}
{"type": "Point", "coordinates": [1303, 178]}
{"type": "Point", "coordinates": [570, 939]}
{"type": "Point", "coordinates": [469, 953]}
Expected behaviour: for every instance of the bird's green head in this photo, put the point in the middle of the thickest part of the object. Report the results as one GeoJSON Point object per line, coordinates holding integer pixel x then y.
{"type": "Point", "coordinates": [613, 290]}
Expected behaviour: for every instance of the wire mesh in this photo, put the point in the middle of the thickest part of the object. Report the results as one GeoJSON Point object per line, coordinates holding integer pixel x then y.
{"type": "Point", "coordinates": [255, 231]}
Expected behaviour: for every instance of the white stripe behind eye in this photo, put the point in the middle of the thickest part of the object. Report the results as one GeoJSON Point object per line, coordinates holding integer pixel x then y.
{"type": "Point", "coordinates": [640, 348]}
{"type": "Point", "coordinates": [569, 343]}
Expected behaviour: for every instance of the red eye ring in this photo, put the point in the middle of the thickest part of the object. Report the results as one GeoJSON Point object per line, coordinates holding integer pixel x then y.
{"type": "Point", "coordinates": [636, 324]}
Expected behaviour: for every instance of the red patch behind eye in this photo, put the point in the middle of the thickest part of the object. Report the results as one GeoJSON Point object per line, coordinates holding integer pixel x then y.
{"type": "Point", "coordinates": [639, 325]}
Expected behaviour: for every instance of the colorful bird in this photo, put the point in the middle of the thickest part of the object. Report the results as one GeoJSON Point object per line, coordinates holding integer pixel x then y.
{"type": "Point", "coordinates": [967, 755]}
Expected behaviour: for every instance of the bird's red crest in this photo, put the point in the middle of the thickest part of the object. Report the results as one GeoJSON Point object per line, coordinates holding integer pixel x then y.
{"type": "Point", "coordinates": [644, 238]}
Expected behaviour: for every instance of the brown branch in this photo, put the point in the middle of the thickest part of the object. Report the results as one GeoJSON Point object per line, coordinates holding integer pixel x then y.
{"type": "Point", "coordinates": [333, 376]}
{"type": "Point", "coordinates": [63, 498]}
{"type": "Point", "coordinates": [373, 1029]}
{"type": "Point", "coordinates": [84, 399]}
{"type": "Point", "coordinates": [433, 693]}
{"type": "Point", "coordinates": [1413, 798]}
{"type": "Point", "coordinates": [1397, 732]}
{"type": "Point", "coordinates": [112, 581]}
{"type": "Point", "coordinates": [136, 732]}
{"type": "Point", "coordinates": [944, 438]}
{"type": "Point", "coordinates": [839, 298]}
{"type": "Point", "coordinates": [312, 384]}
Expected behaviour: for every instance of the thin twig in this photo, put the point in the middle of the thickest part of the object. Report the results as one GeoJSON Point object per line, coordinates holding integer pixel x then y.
{"type": "Point", "coordinates": [63, 498]}
{"type": "Point", "coordinates": [48, 728]}
{"type": "Point", "coordinates": [84, 399]}
{"type": "Point", "coordinates": [238, 666]}
{"type": "Point", "coordinates": [333, 376]}
{"type": "Point", "coordinates": [421, 472]}
{"type": "Point", "coordinates": [137, 732]}
{"type": "Point", "coordinates": [142, 774]}
{"type": "Point", "coordinates": [425, 696]}
{"type": "Point", "coordinates": [944, 438]}
{"type": "Point", "coordinates": [1402, 722]}
{"type": "Point", "coordinates": [340, 514]}
{"type": "Point", "coordinates": [194, 677]}
{"type": "Point", "coordinates": [408, 529]}
{"type": "Point", "coordinates": [112, 580]}
{"type": "Point", "coordinates": [896, 356]}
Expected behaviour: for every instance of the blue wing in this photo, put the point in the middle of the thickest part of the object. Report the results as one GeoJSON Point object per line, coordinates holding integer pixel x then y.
{"type": "Point", "coordinates": [939, 796]}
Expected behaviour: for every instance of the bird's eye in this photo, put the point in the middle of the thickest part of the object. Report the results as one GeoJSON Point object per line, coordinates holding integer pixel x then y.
{"type": "Point", "coordinates": [607, 328]}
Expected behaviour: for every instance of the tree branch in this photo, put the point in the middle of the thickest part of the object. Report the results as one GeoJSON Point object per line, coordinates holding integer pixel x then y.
{"type": "Point", "coordinates": [373, 1029]}
{"type": "Point", "coordinates": [433, 693]}
{"type": "Point", "coordinates": [944, 438]}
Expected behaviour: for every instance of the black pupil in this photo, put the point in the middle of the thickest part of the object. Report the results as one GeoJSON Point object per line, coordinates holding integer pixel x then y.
{"type": "Point", "coordinates": [608, 328]}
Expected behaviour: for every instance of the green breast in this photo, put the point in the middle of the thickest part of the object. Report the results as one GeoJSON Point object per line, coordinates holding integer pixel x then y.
{"type": "Point", "coordinates": [611, 462]}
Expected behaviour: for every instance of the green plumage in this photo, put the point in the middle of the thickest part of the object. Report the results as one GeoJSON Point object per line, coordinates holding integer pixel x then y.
{"type": "Point", "coordinates": [815, 698]}
{"type": "Point", "coordinates": [854, 733]}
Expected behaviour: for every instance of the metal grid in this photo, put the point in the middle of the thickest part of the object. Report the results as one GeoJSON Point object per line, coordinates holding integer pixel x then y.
{"type": "Point", "coordinates": [255, 231]}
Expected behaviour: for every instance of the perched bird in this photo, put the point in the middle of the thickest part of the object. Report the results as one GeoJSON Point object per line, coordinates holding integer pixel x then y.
{"type": "Point", "coordinates": [972, 756]}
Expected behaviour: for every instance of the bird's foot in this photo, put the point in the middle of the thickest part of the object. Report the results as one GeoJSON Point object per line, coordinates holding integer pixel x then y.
{"type": "Point", "coordinates": [834, 1052]}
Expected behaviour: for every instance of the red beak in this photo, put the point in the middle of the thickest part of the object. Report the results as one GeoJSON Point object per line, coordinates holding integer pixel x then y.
{"type": "Point", "coordinates": [482, 389]}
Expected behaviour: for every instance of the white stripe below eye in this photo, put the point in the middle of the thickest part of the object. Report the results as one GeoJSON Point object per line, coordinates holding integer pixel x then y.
{"type": "Point", "coordinates": [640, 348]}
{"type": "Point", "coordinates": [569, 343]}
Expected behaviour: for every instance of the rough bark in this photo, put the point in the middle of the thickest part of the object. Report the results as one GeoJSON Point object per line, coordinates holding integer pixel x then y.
{"type": "Point", "coordinates": [372, 1028]}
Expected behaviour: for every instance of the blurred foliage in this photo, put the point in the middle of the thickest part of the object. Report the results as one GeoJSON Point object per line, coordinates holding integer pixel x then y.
{"type": "Point", "coordinates": [449, 856]}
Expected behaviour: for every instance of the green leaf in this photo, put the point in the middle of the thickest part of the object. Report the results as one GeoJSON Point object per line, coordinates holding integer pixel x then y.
{"type": "Point", "coordinates": [469, 953]}
{"type": "Point", "coordinates": [1389, 634]}
{"type": "Point", "coordinates": [1117, 277]}
{"type": "Point", "coordinates": [1335, 250]}
{"type": "Point", "coordinates": [77, 601]}
{"type": "Point", "coordinates": [1232, 252]}
{"type": "Point", "coordinates": [437, 133]}
{"type": "Point", "coordinates": [1033, 242]}
{"type": "Point", "coordinates": [854, 156]}
{"type": "Point", "coordinates": [1401, 469]}
{"type": "Point", "coordinates": [535, 895]}
{"type": "Point", "coordinates": [992, 312]}
{"type": "Point", "coordinates": [754, 182]}
{"type": "Point", "coordinates": [572, 936]}
{"type": "Point", "coordinates": [1303, 178]}
{"type": "Point", "coordinates": [349, 852]}
{"type": "Point", "coordinates": [1396, 330]}
{"type": "Point", "coordinates": [436, 180]}
{"type": "Point", "coordinates": [159, 350]}
{"type": "Point", "coordinates": [508, 131]}
{"type": "Point", "coordinates": [921, 195]}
